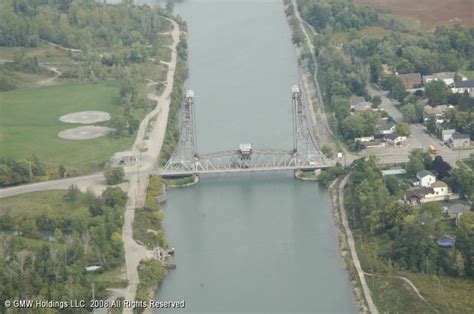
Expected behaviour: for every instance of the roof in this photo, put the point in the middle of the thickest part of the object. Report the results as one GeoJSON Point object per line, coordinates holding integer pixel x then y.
{"type": "Point", "coordinates": [459, 136]}
{"type": "Point", "coordinates": [436, 110]}
{"type": "Point", "coordinates": [424, 173]}
{"type": "Point", "coordinates": [464, 84]}
{"type": "Point", "coordinates": [387, 125]}
{"type": "Point", "coordinates": [245, 147]}
{"type": "Point", "coordinates": [448, 131]}
{"type": "Point", "coordinates": [411, 79]}
{"type": "Point", "coordinates": [391, 136]}
{"type": "Point", "coordinates": [419, 192]}
{"type": "Point", "coordinates": [443, 75]}
{"type": "Point", "coordinates": [439, 184]}
{"type": "Point", "coordinates": [457, 209]}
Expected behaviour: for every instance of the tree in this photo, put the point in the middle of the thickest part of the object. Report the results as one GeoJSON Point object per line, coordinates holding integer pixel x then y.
{"type": "Point", "coordinates": [436, 92]}
{"type": "Point", "coordinates": [441, 167]}
{"type": "Point", "coordinates": [114, 197]}
{"type": "Point", "coordinates": [62, 171]}
{"type": "Point", "coordinates": [327, 150]}
{"type": "Point", "coordinates": [375, 68]}
{"type": "Point", "coordinates": [462, 182]}
{"type": "Point", "coordinates": [395, 87]}
{"type": "Point", "coordinates": [418, 160]}
{"type": "Point", "coordinates": [114, 175]}
{"type": "Point", "coordinates": [72, 193]}
{"type": "Point", "coordinates": [403, 129]}
{"type": "Point", "coordinates": [376, 101]}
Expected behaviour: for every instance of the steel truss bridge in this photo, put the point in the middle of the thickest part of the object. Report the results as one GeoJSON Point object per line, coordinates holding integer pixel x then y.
{"type": "Point", "coordinates": [305, 155]}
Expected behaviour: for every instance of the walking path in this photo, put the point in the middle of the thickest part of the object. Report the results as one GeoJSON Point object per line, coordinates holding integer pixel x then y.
{"type": "Point", "coordinates": [351, 243]}
{"type": "Point", "coordinates": [134, 253]}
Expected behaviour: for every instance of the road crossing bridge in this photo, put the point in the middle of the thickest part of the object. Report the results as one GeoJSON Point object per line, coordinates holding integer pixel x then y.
{"type": "Point", "coordinates": [305, 155]}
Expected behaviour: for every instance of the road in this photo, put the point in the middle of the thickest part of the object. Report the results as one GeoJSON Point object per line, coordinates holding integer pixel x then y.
{"type": "Point", "coordinates": [351, 243]}
{"type": "Point", "coordinates": [417, 139]}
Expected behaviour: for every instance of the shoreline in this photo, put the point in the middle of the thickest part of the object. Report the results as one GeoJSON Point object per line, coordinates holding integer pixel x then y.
{"type": "Point", "coordinates": [343, 246]}
{"type": "Point", "coordinates": [134, 253]}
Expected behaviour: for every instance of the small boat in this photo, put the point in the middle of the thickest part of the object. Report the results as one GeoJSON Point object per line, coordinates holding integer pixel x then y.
{"type": "Point", "coordinates": [171, 252]}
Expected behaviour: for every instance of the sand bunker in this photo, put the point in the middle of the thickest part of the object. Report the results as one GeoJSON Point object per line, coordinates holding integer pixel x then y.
{"type": "Point", "coordinates": [85, 117]}
{"type": "Point", "coordinates": [84, 132]}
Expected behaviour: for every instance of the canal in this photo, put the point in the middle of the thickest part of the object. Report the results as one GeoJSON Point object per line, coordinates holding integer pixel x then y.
{"type": "Point", "coordinates": [259, 243]}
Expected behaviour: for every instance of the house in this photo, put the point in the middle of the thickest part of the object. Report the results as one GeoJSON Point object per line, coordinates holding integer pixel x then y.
{"type": "Point", "coordinates": [386, 127]}
{"type": "Point", "coordinates": [359, 104]}
{"type": "Point", "coordinates": [426, 178]}
{"type": "Point", "coordinates": [437, 192]}
{"type": "Point", "coordinates": [417, 196]}
{"type": "Point", "coordinates": [446, 134]}
{"type": "Point", "coordinates": [395, 139]}
{"type": "Point", "coordinates": [411, 80]}
{"type": "Point", "coordinates": [463, 86]}
{"type": "Point", "coordinates": [446, 77]}
{"type": "Point", "coordinates": [440, 188]}
{"type": "Point", "coordinates": [458, 140]}
{"type": "Point", "coordinates": [437, 111]}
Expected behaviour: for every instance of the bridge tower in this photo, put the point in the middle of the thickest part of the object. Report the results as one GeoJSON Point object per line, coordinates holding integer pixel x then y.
{"type": "Point", "coordinates": [305, 146]}
{"type": "Point", "coordinates": [185, 155]}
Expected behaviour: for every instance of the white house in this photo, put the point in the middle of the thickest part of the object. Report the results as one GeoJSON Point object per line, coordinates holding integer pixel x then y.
{"type": "Point", "coordinates": [426, 178]}
{"type": "Point", "coordinates": [395, 139]}
{"type": "Point", "coordinates": [440, 188]}
{"type": "Point", "coordinates": [463, 86]}
{"type": "Point", "coordinates": [446, 134]}
{"type": "Point", "coordinates": [458, 140]}
{"type": "Point", "coordinates": [437, 192]}
{"type": "Point", "coordinates": [446, 77]}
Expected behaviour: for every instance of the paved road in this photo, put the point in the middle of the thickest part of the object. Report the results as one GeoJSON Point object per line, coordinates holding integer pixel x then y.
{"type": "Point", "coordinates": [351, 243]}
{"type": "Point", "coordinates": [418, 137]}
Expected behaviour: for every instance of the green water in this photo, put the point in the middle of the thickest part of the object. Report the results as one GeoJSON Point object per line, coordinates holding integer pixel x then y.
{"type": "Point", "coordinates": [258, 243]}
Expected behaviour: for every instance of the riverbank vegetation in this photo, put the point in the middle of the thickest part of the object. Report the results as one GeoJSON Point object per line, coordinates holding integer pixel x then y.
{"type": "Point", "coordinates": [151, 274]}
{"type": "Point", "coordinates": [353, 42]}
{"type": "Point", "coordinates": [172, 127]}
{"type": "Point", "coordinates": [98, 57]}
{"type": "Point", "coordinates": [147, 223]}
{"type": "Point", "coordinates": [49, 238]}
{"type": "Point", "coordinates": [395, 239]}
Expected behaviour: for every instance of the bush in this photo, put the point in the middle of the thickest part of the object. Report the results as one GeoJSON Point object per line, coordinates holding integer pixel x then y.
{"type": "Point", "coordinates": [114, 175]}
{"type": "Point", "coordinates": [6, 83]}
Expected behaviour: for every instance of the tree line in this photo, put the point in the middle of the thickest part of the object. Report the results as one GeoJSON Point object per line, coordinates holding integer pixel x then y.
{"type": "Point", "coordinates": [345, 69]}
{"type": "Point", "coordinates": [409, 236]}
{"type": "Point", "coordinates": [33, 268]}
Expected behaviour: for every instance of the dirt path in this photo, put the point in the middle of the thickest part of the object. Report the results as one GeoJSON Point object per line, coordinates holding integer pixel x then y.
{"type": "Point", "coordinates": [351, 243]}
{"type": "Point", "coordinates": [50, 80]}
{"type": "Point", "coordinates": [134, 253]}
{"type": "Point", "coordinates": [411, 284]}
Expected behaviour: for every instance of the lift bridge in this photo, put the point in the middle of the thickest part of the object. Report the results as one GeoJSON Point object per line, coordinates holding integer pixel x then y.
{"type": "Point", "coordinates": [306, 154]}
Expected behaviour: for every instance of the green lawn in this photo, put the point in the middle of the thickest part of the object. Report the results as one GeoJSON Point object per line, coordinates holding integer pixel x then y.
{"type": "Point", "coordinates": [35, 203]}
{"type": "Point", "coordinates": [468, 74]}
{"type": "Point", "coordinates": [44, 53]}
{"type": "Point", "coordinates": [29, 124]}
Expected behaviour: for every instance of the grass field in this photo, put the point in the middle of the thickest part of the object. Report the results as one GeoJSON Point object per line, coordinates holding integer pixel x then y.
{"type": "Point", "coordinates": [34, 203]}
{"type": "Point", "coordinates": [44, 52]}
{"type": "Point", "coordinates": [29, 124]}
{"type": "Point", "coordinates": [446, 294]}
{"type": "Point", "coordinates": [429, 13]}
